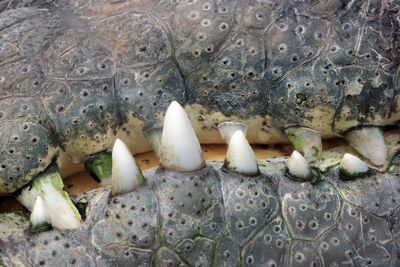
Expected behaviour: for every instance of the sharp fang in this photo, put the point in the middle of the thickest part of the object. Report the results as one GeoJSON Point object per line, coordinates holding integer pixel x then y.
{"type": "Point", "coordinates": [62, 212]}
{"type": "Point", "coordinates": [180, 149]}
{"type": "Point", "coordinates": [154, 138]}
{"type": "Point", "coordinates": [39, 220]}
{"type": "Point", "coordinates": [298, 167]}
{"type": "Point", "coordinates": [240, 157]}
{"type": "Point", "coordinates": [352, 167]}
{"type": "Point", "coordinates": [370, 143]}
{"type": "Point", "coordinates": [126, 176]}
{"type": "Point", "coordinates": [306, 141]}
{"type": "Point", "coordinates": [228, 128]}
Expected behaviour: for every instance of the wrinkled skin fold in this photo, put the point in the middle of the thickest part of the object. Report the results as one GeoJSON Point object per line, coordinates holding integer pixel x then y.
{"type": "Point", "coordinates": [215, 218]}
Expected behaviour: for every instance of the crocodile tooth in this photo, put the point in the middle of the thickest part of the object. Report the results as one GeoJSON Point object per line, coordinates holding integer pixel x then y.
{"type": "Point", "coordinates": [306, 141]}
{"type": "Point", "coordinates": [352, 167]}
{"type": "Point", "coordinates": [39, 219]}
{"type": "Point", "coordinates": [240, 157]}
{"type": "Point", "coordinates": [154, 138]}
{"type": "Point", "coordinates": [369, 142]}
{"type": "Point", "coordinates": [126, 175]}
{"type": "Point", "coordinates": [228, 128]}
{"type": "Point", "coordinates": [298, 167]}
{"type": "Point", "coordinates": [180, 149]}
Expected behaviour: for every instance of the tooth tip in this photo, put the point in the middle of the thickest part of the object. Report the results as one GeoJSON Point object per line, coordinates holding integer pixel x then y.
{"type": "Point", "coordinates": [240, 157]}
{"type": "Point", "coordinates": [298, 167]}
{"type": "Point", "coordinates": [126, 175]}
{"type": "Point", "coordinates": [180, 149]}
{"type": "Point", "coordinates": [39, 213]}
{"type": "Point", "coordinates": [352, 167]}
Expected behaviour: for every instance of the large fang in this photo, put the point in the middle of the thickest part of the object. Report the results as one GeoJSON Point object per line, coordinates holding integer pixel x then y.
{"type": "Point", "coordinates": [62, 212]}
{"type": "Point", "coordinates": [240, 157]}
{"type": "Point", "coordinates": [126, 176]}
{"type": "Point", "coordinates": [298, 167]}
{"type": "Point", "coordinates": [352, 167]}
{"type": "Point", "coordinates": [180, 149]}
{"type": "Point", "coordinates": [306, 141]}
{"type": "Point", "coordinates": [369, 142]}
{"type": "Point", "coordinates": [228, 128]}
{"type": "Point", "coordinates": [39, 220]}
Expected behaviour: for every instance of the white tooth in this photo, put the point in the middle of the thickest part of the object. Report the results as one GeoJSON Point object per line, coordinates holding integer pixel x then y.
{"type": "Point", "coordinates": [305, 140]}
{"type": "Point", "coordinates": [126, 176]}
{"type": "Point", "coordinates": [369, 142]}
{"type": "Point", "coordinates": [352, 167]}
{"type": "Point", "coordinates": [39, 217]}
{"type": "Point", "coordinates": [62, 213]}
{"type": "Point", "coordinates": [228, 128]}
{"type": "Point", "coordinates": [240, 157]}
{"type": "Point", "coordinates": [180, 149]}
{"type": "Point", "coordinates": [298, 166]}
{"type": "Point", "coordinates": [154, 137]}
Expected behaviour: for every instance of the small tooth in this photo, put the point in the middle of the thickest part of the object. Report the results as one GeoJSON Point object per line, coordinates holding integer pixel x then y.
{"type": "Point", "coordinates": [39, 219]}
{"type": "Point", "coordinates": [154, 138]}
{"type": "Point", "coordinates": [369, 142]}
{"type": "Point", "coordinates": [180, 149]}
{"type": "Point", "coordinates": [228, 128]}
{"type": "Point", "coordinates": [306, 141]}
{"type": "Point", "coordinates": [298, 167]}
{"type": "Point", "coordinates": [352, 167]}
{"type": "Point", "coordinates": [240, 157]}
{"type": "Point", "coordinates": [126, 176]}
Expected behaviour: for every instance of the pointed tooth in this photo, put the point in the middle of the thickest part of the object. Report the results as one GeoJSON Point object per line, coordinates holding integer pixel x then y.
{"type": "Point", "coordinates": [240, 157]}
{"type": "Point", "coordinates": [298, 167]}
{"type": "Point", "coordinates": [39, 219]}
{"type": "Point", "coordinates": [62, 212]}
{"type": "Point", "coordinates": [126, 175]}
{"type": "Point", "coordinates": [180, 149]}
{"type": "Point", "coordinates": [369, 142]}
{"type": "Point", "coordinates": [352, 167]}
{"type": "Point", "coordinates": [307, 141]}
{"type": "Point", "coordinates": [154, 138]}
{"type": "Point", "coordinates": [228, 128]}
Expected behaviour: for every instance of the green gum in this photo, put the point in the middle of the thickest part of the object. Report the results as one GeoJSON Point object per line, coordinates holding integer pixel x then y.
{"type": "Point", "coordinates": [100, 166]}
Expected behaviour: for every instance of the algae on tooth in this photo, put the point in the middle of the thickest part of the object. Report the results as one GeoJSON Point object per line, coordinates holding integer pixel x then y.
{"type": "Point", "coordinates": [306, 141]}
{"type": "Point", "coordinates": [62, 212]}
{"type": "Point", "coordinates": [352, 167]}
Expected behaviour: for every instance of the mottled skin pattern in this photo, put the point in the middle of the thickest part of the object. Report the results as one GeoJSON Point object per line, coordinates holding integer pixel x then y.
{"type": "Point", "coordinates": [216, 218]}
{"type": "Point", "coordinates": [74, 74]}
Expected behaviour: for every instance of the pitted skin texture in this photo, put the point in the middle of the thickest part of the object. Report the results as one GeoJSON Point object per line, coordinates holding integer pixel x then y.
{"type": "Point", "coordinates": [76, 74]}
{"type": "Point", "coordinates": [216, 218]}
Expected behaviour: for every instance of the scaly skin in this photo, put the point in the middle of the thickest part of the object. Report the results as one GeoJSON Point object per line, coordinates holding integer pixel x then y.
{"type": "Point", "coordinates": [215, 218]}
{"type": "Point", "coordinates": [76, 74]}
